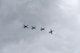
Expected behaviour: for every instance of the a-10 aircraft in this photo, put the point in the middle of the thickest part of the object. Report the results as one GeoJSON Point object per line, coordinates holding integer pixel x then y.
{"type": "Point", "coordinates": [51, 31]}
{"type": "Point", "coordinates": [33, 27]}
{"type": "Point", "coordinates": [25, 26]}
{"type": "Point", "coordinates": [42, 28]}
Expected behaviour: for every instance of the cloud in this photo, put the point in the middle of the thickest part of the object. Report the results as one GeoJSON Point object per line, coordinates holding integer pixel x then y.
{"type": "Point", "coordinates": [62, 16]}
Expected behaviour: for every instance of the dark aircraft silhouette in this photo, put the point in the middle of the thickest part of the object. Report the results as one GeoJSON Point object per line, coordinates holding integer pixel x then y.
{"type": "Point", "coordinates": [33, 27]}
{"type": "Point", "coordinates": [42, 29]}
{"type": "Point", "coordinates": [51, 31]}
{"type": "Point", "coordinates": [25, 26]}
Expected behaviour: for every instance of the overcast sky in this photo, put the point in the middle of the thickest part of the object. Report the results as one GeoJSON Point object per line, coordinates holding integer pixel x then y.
{"type": "Point", "coordinates": [61, 15]}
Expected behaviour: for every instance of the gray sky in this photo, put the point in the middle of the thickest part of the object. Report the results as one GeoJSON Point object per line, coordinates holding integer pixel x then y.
{"type": "Point", "coordinates": [61, 15]}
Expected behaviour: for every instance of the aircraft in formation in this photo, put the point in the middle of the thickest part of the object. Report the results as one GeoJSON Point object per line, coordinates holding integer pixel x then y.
{"type": "Point", "coordinates": [25, 26]}
{"type": "Point", "coordinates": [33, 27]}
{"type": "Point", "coordinates": [42, 28]}
{"type": "Point", "coordinates": [51, 31]}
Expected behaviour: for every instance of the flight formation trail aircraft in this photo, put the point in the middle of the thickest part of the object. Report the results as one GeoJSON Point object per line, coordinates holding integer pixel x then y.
{"type": "Point", "coordinates": [33, 27]}
{"type": "Point", "coordinates": [41, 29]}
{"type": "Point", "coordinates": [25, 26]}
{"type": "Point", "coordinates": [51, 31]}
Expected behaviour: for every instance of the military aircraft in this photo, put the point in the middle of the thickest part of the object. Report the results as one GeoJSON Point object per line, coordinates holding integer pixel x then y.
{"type": "Point", "coordinates": [33, 27]}
{"type": "Point", "coordinates": [42, 29]}
{"type": "Point", "coordinates": [51, 31]}
{"type": "Point", "coordinates": [25, 26]}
